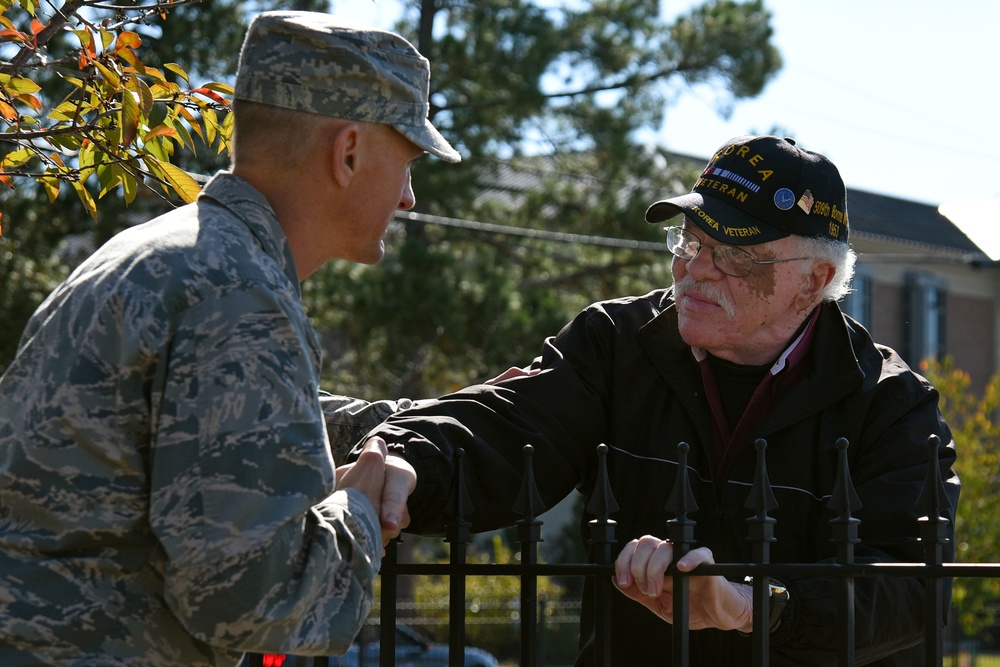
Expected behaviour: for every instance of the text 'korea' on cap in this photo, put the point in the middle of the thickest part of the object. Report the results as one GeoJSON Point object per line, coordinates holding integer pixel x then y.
{"type": "Point", "coordinates": [757, 189]}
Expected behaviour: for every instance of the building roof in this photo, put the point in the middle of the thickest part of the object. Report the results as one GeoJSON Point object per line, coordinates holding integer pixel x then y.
{"type": "Point", "coordinates": [905, 221]}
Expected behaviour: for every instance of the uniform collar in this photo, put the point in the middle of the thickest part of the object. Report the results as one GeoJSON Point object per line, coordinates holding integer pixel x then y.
{"type": "Point", "coordinates": [247, 204]}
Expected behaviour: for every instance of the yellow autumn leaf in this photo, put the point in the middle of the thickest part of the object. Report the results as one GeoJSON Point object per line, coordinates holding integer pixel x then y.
{"type": "Point", "coordinates": [180, 180]}
{"type": "Point", "coordinates": [88, 201]}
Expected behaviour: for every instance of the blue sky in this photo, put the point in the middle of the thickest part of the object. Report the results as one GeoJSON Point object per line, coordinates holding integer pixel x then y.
{"type": "Point", "coordinates": [900, 95]}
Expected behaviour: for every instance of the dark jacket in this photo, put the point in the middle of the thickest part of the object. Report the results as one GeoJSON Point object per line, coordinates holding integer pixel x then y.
{"type": "Point", "coordinates": [619, 374]}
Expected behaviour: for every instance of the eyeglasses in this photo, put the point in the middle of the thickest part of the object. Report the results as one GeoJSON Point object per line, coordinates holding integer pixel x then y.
{"type": "Point", "coordinates": [729, 259]}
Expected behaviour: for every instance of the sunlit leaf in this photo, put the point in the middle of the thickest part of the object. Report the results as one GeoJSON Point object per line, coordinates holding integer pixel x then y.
{"type": "Point", "coordinates": [211, 125]}
{"type": "Point", "coordinates": [107, 38]}
{"type": "Point", "coordinates": [128, 56]}
{"type": "Point", "coordinates": [51, 186]}
{"type": "Point", "coordinates": [17, 158]}
{"type": "Point", "coordinates": [65, 111]}
{"type": "Point", "coordinates": [227, 132]}
{"type": "Point", "coordinates": [109, 176]}
{"type": "Point", "coordinates": [219, 87]}
{"type": "Point", "coordinates": [86, 198]}
{"type": "Point", "coordinates": [129, 187]}
{"type": "Point", "coordinates": [160, 131]}
{"type": "Point", "coordinates": [19, 84]}
{"type": "Point", "coordinates": [211, 94]}
{"type": "Point", "coordinates": [156, 74]}
{"type": "Point", "coordinates": [15, 36]}
{"type": "Point", "coordinates": [86, 40]}
{"type": "Point", "coordinates": [36, 26]}
{"type": "Point", "coordinates": [85, 157]}
{"type": "Point", "coordinates": [31, 101]}
{"type": "Point", "coordinates": [106, 72]}
{"type": "Point", "coordinates": [177, 69]}
{"type": "Point", "coordinates": [183, 184]}
{"type": "Point", "coordinates": [128, 40]}
{"type": "Point", "coordinates": [7, 111]}
{"type": "Point", "coordinates": [145, 95]}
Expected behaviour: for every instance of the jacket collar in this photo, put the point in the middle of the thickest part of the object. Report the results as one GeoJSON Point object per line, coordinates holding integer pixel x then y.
{"type": "Point", "coordinates": [832, 369]}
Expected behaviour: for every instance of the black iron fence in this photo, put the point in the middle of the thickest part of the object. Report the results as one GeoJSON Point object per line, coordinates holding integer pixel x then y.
{"type": "Point", "coordinates": [933, 505]}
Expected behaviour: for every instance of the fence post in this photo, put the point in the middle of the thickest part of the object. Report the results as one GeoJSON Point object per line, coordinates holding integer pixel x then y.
{"type": "Point", "coordinates": [934, 534]}
{"type": "Point", "coordinates": [761, 533]}
{"type": "Point", "coordinates": [602, 505]}
{"type": "Point", "coordinates": [844, 501]}
{"type": "Point", "coordinates": [529, 534]}
{"type": "Point", "coordinates": [387, 613]}
{"type": "Point", "coordinates": [459, 537]}
{"type": "Point", "coordinates": [680, 533]}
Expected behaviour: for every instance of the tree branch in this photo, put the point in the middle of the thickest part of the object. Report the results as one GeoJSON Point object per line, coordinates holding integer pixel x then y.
{"type": "Point", "coordinates": [59, 19]}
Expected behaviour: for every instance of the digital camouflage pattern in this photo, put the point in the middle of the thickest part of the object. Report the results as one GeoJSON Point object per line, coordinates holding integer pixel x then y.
{"type": "Point", "coordinates": [166, 486]}
{"type": "Point", "coordinates": [328, 65]}
{"type": "Point", "coordinates": [349, 419]}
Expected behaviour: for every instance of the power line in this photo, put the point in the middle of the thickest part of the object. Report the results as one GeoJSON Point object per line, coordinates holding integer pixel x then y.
{"type": "Point", "coordinates": [559, 237]}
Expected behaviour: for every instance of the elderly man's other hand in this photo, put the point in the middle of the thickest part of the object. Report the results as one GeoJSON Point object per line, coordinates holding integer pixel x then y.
{"type": "Point", "coordinates": [715, 602]}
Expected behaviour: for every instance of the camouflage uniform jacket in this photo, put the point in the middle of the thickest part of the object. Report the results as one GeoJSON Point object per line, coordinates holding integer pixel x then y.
{"type": "Point", "coordinates": [166, 486]}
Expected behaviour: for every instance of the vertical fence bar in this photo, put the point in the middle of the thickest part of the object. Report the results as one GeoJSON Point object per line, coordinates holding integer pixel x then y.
{"type": "Point", "coordinates": [680, 533]}
{"type": "Point", "coordinates": [459, 537]}
{"type": "Point", "coordinates": [933, 501]}
{"type": "Point", "coordinates": [602, 505]}
{"type": "Point", "coordinates": [387, 613]}
{"type": "Point", "coordinates": [760, 527]}
{"type": "Point", "coordinates": [844, 501]}
{"type": "Point", "coordinates": [529, 534]}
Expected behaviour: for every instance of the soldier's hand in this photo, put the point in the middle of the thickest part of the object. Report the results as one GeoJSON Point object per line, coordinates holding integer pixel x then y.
{"type": "Point", "coordinates": [398, 479]}
{"type": "Point", "coordinates": [367, 474]}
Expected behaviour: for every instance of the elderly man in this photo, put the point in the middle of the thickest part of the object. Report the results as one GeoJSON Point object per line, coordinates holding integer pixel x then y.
{"type": "Point", "coordinates": [167, 493]}
{"type": "Point", "coordinates": [749, 343]}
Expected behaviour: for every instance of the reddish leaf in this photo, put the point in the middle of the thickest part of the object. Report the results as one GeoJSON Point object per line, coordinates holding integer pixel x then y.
{"type": "Point", "coordinates": [128, 40]}
{"type": "Point", "coordinates": [36, 26]}
{"type": "Point", "coordinates": [31, 101]}
{"type": "Point", "coordinates": [15, 35]}
{"type": "Point", "coordinates": [7, 111]}
{"type": "Point", "coordinates": [160, 131]}
{"type": "Point", "coordinates": [211, 94]}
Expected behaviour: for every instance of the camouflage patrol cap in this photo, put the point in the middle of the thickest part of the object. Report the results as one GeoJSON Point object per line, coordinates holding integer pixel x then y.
{"type": "Point", "coordinates": [328, 65]}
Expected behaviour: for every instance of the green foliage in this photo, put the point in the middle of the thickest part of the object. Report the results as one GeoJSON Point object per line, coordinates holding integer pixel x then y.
{"type": "Point", "coordinates": [492, 602]}
{"type": "Point", "coordinates": [104, 117]}
{"type": "Point", "coordinates": [546, 98]}
{"type": "Point", "coordinates": [972, 421]}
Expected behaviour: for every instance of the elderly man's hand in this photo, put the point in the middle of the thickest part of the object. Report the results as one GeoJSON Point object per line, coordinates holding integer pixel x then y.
{"type": "Point", "coordinates": [395, 484]}
{"type": "Point", "coordinates": [715, 602]}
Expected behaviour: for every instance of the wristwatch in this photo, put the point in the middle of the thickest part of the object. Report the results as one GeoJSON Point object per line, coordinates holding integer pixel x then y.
{"type": "Point", "coordinates": [778, 597]}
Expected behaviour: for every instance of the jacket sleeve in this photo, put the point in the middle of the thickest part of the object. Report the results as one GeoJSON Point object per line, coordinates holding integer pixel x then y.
{"type": "Point", "coordinates": [888, 470]}
{"type": "Point", "coordinates": [262, 554]}
{"type": "Point", "coordinates": [492, 424]}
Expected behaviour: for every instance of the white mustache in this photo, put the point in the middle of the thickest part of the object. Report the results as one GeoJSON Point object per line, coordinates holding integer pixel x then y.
{"type": "Point", "coordinates": [707, 289]}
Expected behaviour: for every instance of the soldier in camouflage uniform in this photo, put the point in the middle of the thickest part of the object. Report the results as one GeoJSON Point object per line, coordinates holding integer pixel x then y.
{"type": "Point", "coordinates": [166, 484]}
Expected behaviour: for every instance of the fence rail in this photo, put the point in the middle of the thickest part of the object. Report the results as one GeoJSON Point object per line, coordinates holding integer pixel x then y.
{"type": "Point", "coordinates": [933, 533]}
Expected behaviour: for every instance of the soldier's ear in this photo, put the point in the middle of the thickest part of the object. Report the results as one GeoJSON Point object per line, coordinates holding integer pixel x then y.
{"type": "Point", "coordinates": [344, 152]}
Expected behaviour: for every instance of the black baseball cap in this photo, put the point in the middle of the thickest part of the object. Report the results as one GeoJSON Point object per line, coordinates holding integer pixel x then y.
{"type": "Point", "coordinates": [757, 189]}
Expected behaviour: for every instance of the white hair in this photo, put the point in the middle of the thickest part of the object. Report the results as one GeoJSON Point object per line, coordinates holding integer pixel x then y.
{"type": "Point", "coordinates": [841, 255]}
